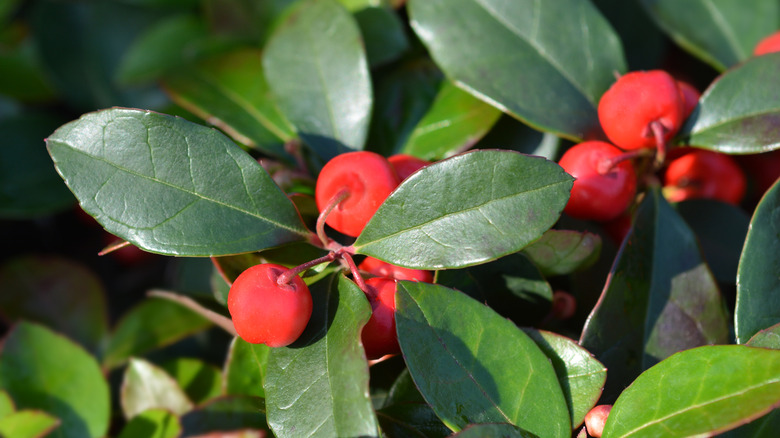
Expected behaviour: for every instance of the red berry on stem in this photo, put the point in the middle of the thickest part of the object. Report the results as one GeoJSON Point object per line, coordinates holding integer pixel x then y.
{"type": "Point", "coordinates": [770, 44]}
{"type": "Point", "coordinates": [367, 177]}
{"type": "Point", "coordinates": [406, 165]}
{"type": "Point", "coordinates": [704, 174]}
{"type": "Point", "coordinates": [599, 192]}
{"type": "Point", "coordinates": [389, 270]}
{"type": "Point", "coordinates": [266, 312]}
{"type": "Point", "coordinates": [379, 336]}
{"type": "Point", "coordinates": [596, 418]}
{"type": "Point", "coordinates": [628, 110]}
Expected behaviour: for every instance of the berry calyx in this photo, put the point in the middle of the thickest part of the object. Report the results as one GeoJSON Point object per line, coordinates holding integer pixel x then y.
{"type": "Point", "coordinates": [265, 311]}
{"type": "Point", "coordinates": [406, 165]}
{"type": "Point", "coordinates": [770, 44]}
{"type": "Point", "coordinates": [596, 418]}
{"type": "Point", "coordinates": [637, 102]}
{"type": "Point", "coordinates": [383, 269]}
{"type": "Point", "coordinates": [367, 178]}
{"type": "Point", "coordinates": [601, 191]}
{"type": "Point", "coordinates": [704, 174]}
{"type": "Point", "coordinates": [379, 336]}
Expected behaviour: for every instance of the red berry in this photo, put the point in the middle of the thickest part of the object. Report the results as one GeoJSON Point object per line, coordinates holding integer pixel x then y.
{"type": "Point", "coordinates": [596, 418]}
{"type": "Point", "coordinates": [265, 312]}
{"type": "Point", "coordinates": [406, 165]}
{"type": "Point", "coordinates": [769, 44]}
{"type": "Point", "coordinates": [384, 269]}
{"type": "Point", "coordinates": [634, 102]}
{"type": "Point", "coordinates": [704, 174]}
{"type": "Point", "coordinates": [598, 193]}
{"type": "Point", "coordinates": [368, 178]}
{"type": "Point", "coordinates": [690, 97]}
{"type": "Point", "coordinates": [379, 336]}
{"type": "Point", "coordinates": [564, 305]}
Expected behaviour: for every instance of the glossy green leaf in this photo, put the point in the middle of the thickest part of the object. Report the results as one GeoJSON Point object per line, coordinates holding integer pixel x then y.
{"type": "Point", "coordinates": [171, 186]}
{"type": "Point", "coordinates": [245, 368]}
{"type": "Point", "coordinates": [479, 369]}
{"type": "Point", "coordinates": [43, 370]}
{"type": "Point", "coordinates": [510, 133]}
{"type": "Point", "coordinates": [758, 278]}
{"type": "Point", "coordinates": [57, 292]}
{"type": "Point", "coordinates": [316, 66]}
{"type": "Point", "coordinates": [28, 424]}
{"type": "Point", "coordinates": [6, 404]}
{"type": "Point", "coordinates": [229, 413]}
{"type": "Point", "coordinates": [468, 209]}
{"type": "Point", "coordinates": [152, 423]}
{"type": "Point", "coordinates": [199, 380]}
{"type": "Point", "coordinates": [698, 392]}
{"type": "Point", "coordinates": [581, 376]}
{"type": "Point", "coordinates": [494, 430]}
{"type": "Point", "coordinates": [767, 338]}
{"type": "Point", "coordinates": [660, 298]}
{"type": "Point", "coordinates": [319, 384]}
{"type": "Point", "coordinates": [561, 252]}
{"type": "Point", "coordinates": [739, 112]}
{"type": "Point", "coordinates": [383, 33]}
{"type": "Point", "coordinates": [231, 92]}
{"type": "Point", "coordinates": [134, 336]}
{"type": "Point", "coordinates": [725, 32]}
{"type": "Point", "coordinates": [411, 420]}
{"type": "Point", "coordinates": [455, 121]}
{"type": "Point", "coordinates": [546, 63]}
{"type": "Point", "coordinates": [147, 386]}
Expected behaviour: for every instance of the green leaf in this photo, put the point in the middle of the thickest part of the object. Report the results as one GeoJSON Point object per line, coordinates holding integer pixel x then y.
{"type": "Point", "coordinates": [134, 336]}
{"type": "Point", "coordinates": [152, 423]}
{"type": "Point", "coordinates": [468, 209]}
{"type": "Point", "coordinates": [316, 66]}
{"type": "Point", "coordinates": [510, 133]}
{"type": "Point", "coordinates": [319, 384]}
{"type": "Point", "coordinates": [244, 20]}
{"type": "Point", "coordinates": [43, 370]}
{"type": "Point", "coordinates": [739, 112]}
{"type": "Point", "coordinates": [6, 404]}
{"type": "Point", "coordinates": [57, 292]}
{"type": "Point", "coordinates": [762, 427]}
{"type": "Point", "coordinates": [147, 386]}
{"type": "Point", "coordinates": [643, 43]}
{"type": "Point", "coordinates": [581, 376]}
{"type": "Point", "coordinates": [383, 33]}
{"type": "Point", "coordinates": [229, 413]}
{"type": "Point", "coordinates": [170, 186]}
{"type": "Point", "coordinates": [24, 78]}
{"type": "Point", "coordinates": [561, 252]}
{"type": "Point", "coordinates": [758, 278]}
{"type": "Point", "coordinates": [245, 368]}
{"type": "Point", "coordinates": [767, 338]}
{"type": "Point", "coordinates": [28, 424]}
{"type": "Point", "coordinates": [411, 420]}
{"type": "Point", "coordinates": [698, 392]}
{"type": "Point", "coordinates": [453, 124]}
{"type": "Point", "coordinates": [494, 430]}
{"type": "Point", "coordinates": [725, 31]}
{"type": "Point", "coordinates": [231, 92]}
{"type": "Point", "coordinates": [199, 380]}
{"type": "Point", "coordinates": [546, 63]}
{"type": "Point", "coordinates": [660, 298]}
{"type": "Point", "coordinates": [476, 369]}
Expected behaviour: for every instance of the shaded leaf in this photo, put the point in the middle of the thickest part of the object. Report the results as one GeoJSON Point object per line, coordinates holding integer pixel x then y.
{"type": "Point", "coordinates": [244, 19]}
{"type": "Point", "coordinates": [494, 430]}
{"type": "Point", "coordinates": [698, 392]}
{"type": "Point", "coordinates": [561, 252]}
{"type": "Point", "coordinates": [199, 380]}
{"type": "Point", "coordinates": [228, 413]}
{"type": "Point", "coordinates": [643, 43]}
{"type": "Point", "coordinates": [245, 368]}
{"type": "Point", "coordinates": [23, 76]}
{"type": "Point", "coordinates": [479, 369]}
{"type": "Point", "coordinates": [411, 420]}
{"type": "Point", "coordinates": [468, 209]}
{"type": "Point", "coordinates": [152, 423]}
{"type": "Point", "coordinates": [762, 427]}
{"type": "Point", "coordinates": [510, 133]}
{"type": "Point", "coordinates": [147, 386]}
{"type": "Point", "coordinates": [767, 338]}
{"type": "Point", "coordinates": [28, 424]}
{"type": "Point", "coordinates": [171, 186]}
{"type": "Point", "coordinates": [383, 33]}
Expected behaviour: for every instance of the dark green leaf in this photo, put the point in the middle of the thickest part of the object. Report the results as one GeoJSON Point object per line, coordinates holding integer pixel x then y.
{"type": "Point", "coordinates": [767, 338]}
{"type": "Point", "coordinates": [403, 391]}
{"type": "Point", "coordinates": [643, 43]}
{"type": "Point", "coordinates": [6, 404]}
{"type": "Point", "coordinates": [740, 112]}
{"type": "Point", "coordinates": [383, 33]}
{"type": "Point", "coordinates": [134, 336]}
{"type": "Point", "coordinates": [245, 368]}
{"type": "Point", "coordinates": [171, 186]}
{"type": "Point", "coordinates": [42, 370]}
{"type": "Point", "coordinates": [547, 63]}
{"type": "Point", "coordinates": [227, 413]}
{"type": "Point", "coordinates": [7, 8]}
{"type": "Point", "coordinates": [231, 92]}
{"type": "Point", "coordinates": [725, 31]}
{"type": "Point", "coordinates": [319, 384]}
{"type": "Point", "coordinates": [476, 369]}
{"type": "Point", "coordinates": [758, 279]}
{"type": "Point", "coordinates": [246, 20]}
{"type": "Point", "coordinates": [152, 423]}
{"type": "Point", "coordinates": [698, 392]}
{"type": "Point", "coordinates": [494, 430]}
{"type": "Point", "coordinates": [147, 386]}
{"type": "Point", "coordinates": [468, 209]}
{"type": "Point", "coordinates": [660, 298]}
{"type": "Point", "coordinates": [510, 133]}
{"type": "Point", "coordinates": [762, 427]}
{"type": "Point", "coordinates": [57, 292]}
{"type": "Point", "coordinates": [28, 424]}
{"type": "Point", "coordinates": [455, 121]}
{"type": "Point", "coordinates": [199, 380]}
{"type": "Point", "coordinates": [316, 66]}
{"type": "Point", "coordinates": [20, 67]}
{"type": "Point", "coordinates": [411, 420]}
{"type": "Point", "coordinates": [561, 252]}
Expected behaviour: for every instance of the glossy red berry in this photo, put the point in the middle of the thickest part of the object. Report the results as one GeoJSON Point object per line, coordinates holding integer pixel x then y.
{"type": "Point", "coordinates": [600, 192]}
{"type": "Point", "coordinates": [704, 174]}
{"type": "Point", "coordinates": [265, 312]}
{"type": "Point", "coordinates": [770, 44]}
{"type": "Point", "coordinates": [368, 178]}
{"type": "Point", "coordinates": [628, 109]}
{"type": "Point", "coordinates": [596, 418]}
{"type": "Point", "coordinates": [406, 165]}
{"type": "Point", "coordinates": [383, 269]}
{"type": "Point", "coordinates": [690, 97]}
{"type": "Point", "coordinates": [379, 336]}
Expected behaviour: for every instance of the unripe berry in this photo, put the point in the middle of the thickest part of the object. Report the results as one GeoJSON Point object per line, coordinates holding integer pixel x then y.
{"type": "Point", "coordinates": [704, 174]}
{"type": "Point", "coordinates": [265, 312]}
{"type": "Point", "coordinates": [379, 336]}
{"type": "Point", "coordinates": [383, 269]}
{"type": "Point", "coordinates": [406, 165]}
{"type": "Point", "coordinates": [596, 418]}
{"type": "Point", "coordinates": [769, 44]}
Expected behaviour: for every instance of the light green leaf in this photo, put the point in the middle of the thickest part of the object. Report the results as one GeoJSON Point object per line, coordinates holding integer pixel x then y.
{"type": "Point", "coordinates": [147, 386]}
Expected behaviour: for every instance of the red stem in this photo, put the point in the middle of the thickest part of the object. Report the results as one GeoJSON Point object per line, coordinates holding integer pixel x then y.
{"type": "Point", "coordinates": [658, 132]}
{"type": "Point", "coordinates": [113, 247]}
{"type": "Point", "coordinates": [355, 272]}
{"type": "Point", "coordinates": [340, 196]}
{"type": "Point", "coordinates": [607, 164]}
{"type": "Point", "coordinates": [288, 275]}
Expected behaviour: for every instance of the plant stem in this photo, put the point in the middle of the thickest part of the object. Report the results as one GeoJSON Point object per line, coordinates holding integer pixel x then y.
{"type": "Point", "coordinates": [340, 196]}
{"type": "Point", "coordinates": [113, 247]}
{"type": "Point", "coordinates": [607, 164]}
{"type": "Point", "coordinates": [658, 132]}
{"type": "Point", "coordinates": [222, 321]}
{"type": "Point", "coordinates": [288, 275]}
{"type": "Point", "coordinates": [355, 272]}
